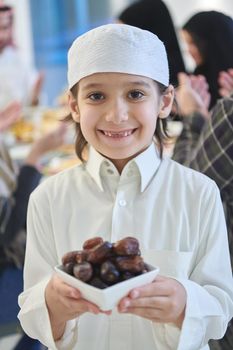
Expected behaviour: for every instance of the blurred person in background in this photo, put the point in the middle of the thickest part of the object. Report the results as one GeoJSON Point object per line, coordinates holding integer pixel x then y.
{"type": "Point", "coordinates": [209, 38]}
{"type": "Point", "coordinates": [153, 15]}
{"type": "Point", "coordinates": [15, 189]}
{"type": "Point", "coordinates": [206, 145]}
{"type": "Point", "coordinates": [18, 81]}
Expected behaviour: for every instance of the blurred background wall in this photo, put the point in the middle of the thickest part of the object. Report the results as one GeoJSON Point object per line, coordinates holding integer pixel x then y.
{"type": "Point", "coordinates": [45, 29]}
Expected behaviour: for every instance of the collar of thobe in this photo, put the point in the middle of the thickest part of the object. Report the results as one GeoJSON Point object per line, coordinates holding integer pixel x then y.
{"type": "Point", "coordinates": [146, 164]}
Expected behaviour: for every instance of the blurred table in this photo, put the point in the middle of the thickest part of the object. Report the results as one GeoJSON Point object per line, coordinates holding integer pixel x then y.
{"type": "Point", "coordinates": [35, 122]}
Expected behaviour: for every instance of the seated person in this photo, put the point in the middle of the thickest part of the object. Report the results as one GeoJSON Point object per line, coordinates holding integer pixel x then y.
{"type": "Point", "coordinates": [15, 189]}
{"type": "Point", "coordinates": [18, 79]}
{"type": "Point", "coordinates": [206, 145]}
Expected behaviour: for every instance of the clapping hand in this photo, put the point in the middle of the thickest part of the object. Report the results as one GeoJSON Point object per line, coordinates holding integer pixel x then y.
{"type": "Point", "coordinates": [36, 90]}
{"type": "Point", "coordinates": [192, 95]}
{"type": "Point", "coordinates": [226, 82]}
{"type": "Point", "coordinates": [9, 115]}
{"type": "Point", "coordinates": [46, 143]}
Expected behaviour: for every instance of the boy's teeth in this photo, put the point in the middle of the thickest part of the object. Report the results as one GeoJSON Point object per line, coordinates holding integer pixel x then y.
{"type": "Point", "coordinates": [118, 134]}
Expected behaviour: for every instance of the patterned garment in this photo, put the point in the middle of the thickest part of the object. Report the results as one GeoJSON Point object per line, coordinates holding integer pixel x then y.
{"type": "Point", "coordinates": [15, 189]}
{"type": "Point", "coordinates": [5, 211]}
{"type": "Point", "coordinates": [208, 148]}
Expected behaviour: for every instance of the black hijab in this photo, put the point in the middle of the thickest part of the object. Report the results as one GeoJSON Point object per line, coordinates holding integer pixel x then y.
{"type": "Point", "coordinates": [212, 33]}
{"type": "Point", "coordinates": [154, 16]}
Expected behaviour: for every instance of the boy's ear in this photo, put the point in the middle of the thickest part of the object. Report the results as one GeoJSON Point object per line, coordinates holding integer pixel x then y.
{"type": "Point", "coordinates": [166, 102]}
{"type": "Point", "coordinates": [73, 107]}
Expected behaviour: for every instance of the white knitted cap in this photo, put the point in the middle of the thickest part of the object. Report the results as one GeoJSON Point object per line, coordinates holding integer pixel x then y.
{"type": "Point", "coordinates": [118, 48]}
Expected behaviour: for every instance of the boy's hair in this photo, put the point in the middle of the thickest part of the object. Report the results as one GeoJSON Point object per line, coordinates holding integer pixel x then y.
{"type": "Point", "coordinates": [118, 48]}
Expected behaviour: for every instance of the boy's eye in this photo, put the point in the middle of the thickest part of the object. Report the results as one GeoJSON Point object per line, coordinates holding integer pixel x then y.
{"type": "Point", "coordinates": [96, 96]}
{"type": "Point", "coordinates": [135, 94]}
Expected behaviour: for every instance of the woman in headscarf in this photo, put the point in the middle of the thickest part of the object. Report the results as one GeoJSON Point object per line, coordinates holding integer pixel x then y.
{"type": "Point", "coordinates": [153, 15]}
{"type": "Point", "coordinates": [209, 36]}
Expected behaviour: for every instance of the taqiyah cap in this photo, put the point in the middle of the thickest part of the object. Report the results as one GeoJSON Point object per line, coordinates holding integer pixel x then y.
{"type": "Point", "coordinates": [118, 48]}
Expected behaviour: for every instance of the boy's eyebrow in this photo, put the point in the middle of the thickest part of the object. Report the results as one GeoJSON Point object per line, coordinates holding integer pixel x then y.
{"type": "Point", "coordinates": [140, 82]}
{"type": "Point", "coordinates": [91, 86]}
{"type": "Point", "coordinates": [98, 85]}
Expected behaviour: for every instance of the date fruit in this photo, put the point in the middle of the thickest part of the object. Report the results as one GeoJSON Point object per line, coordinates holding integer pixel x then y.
{"type": "Point", "coordinates": [109, 273]}
{"type": "Point", "coordinates": [92, 242]}
{"type": "Point", "coordinates": [102, 264]}
{"type": "Point", "coordinates": [127, 246]}
{"type": "Point", "coordinates": [133, 264]}
{"type": "Point", "coordinates": [83, 271]}
{"type": "Point", "coordinates": [69, 257]}
{"type": "Point", "coordinates": [75, 256]}
{"type": "Point", "coordinates": [99, 253]}
{"type": "Point", "coordinates": [98, 283]}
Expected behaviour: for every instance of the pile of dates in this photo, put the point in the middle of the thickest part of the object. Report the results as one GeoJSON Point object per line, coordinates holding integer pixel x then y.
{"type": "Point", "coordinates": [102, 264]}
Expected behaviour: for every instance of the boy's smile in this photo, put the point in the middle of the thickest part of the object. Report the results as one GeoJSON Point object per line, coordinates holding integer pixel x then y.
{"type": "Point", "coordinates": [117, 114]}
{"type": "Point", "coordinates": [118, 134]}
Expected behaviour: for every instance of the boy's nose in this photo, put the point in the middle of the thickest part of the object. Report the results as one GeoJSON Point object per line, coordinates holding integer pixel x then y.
{"type": "Point", "coordinates": [117, 113]}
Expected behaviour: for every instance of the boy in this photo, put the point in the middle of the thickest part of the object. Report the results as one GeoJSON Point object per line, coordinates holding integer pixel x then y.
{"type": "Point", "coordinates": [119, 100]}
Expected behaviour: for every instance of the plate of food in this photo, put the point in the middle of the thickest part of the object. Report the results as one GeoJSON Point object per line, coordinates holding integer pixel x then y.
{"type": "Point", "coordinates": [106, 272]}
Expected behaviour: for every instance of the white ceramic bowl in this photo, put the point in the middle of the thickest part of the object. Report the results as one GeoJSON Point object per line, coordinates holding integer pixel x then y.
{"type": "Point", "coordinates": [109, 297]}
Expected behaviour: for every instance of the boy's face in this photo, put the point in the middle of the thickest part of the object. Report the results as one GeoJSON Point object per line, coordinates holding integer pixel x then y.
{"type": "Point", "coordinates": [118, 113]}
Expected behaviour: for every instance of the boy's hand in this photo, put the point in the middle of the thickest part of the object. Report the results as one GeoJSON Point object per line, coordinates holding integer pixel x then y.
{"type": "Point", "coordinates": [65, 303]}
{"type": "Point", "coordinates": [163, 301]}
